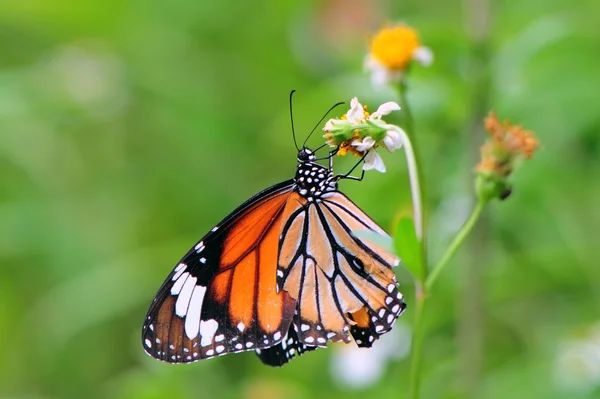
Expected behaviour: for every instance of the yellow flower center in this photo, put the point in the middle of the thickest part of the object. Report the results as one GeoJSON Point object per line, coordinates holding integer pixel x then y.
{"type": "Point", "coordinates": [394, 47]}
{"type": "Point", "coordinates": [347, 147]}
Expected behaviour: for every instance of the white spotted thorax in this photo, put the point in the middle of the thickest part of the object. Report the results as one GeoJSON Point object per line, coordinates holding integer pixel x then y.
{"type": "Point", "coordinates": [313, 179]}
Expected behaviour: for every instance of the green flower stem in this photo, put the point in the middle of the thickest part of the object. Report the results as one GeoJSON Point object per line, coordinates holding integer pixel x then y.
{"type": "Point", "coordinates": [456, 243]}
{"type": "Point", "coordinates": [415, 174]}
{"type": "Point", "coordinates": [416, 347]}
{"type": "Point", "coordinates": [415, 187]}
{"type": "Point", "coordinates": [421, 298]}
{"type": "Point", "coordinates": [408, 120]}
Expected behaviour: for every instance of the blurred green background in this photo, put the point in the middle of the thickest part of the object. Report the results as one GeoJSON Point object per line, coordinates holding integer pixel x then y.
{"type": "Point", "coordinates": [129, 128]}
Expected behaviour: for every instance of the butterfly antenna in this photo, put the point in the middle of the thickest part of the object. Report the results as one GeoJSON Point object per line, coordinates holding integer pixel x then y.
{"type": "Point", "coordinates": [292, 120]}
{"type": "Point", "coordinates": [321, 120]}
{"type": "Point", "coordinates": [319, 147]}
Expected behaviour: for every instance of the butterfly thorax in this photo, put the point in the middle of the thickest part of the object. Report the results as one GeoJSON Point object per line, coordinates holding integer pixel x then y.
{"type": "Point", "coordinates": [313, 179]}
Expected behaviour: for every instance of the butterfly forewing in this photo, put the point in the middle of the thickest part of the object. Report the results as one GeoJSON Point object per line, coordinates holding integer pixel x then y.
{"type": "Point", "coordinates": [221, 297]}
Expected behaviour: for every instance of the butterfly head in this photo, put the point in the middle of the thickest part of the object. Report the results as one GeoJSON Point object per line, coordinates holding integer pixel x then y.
{"type": "Point", "coordinates": [305, 155]}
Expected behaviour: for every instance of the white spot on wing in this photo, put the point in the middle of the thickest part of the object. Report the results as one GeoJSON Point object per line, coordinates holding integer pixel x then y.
{"type": "Point", "coordinates": [185, 295]}
{"type": "Point", "coordinates": [192, 321]}
{"type": "Point", "coordinates": [241, 326]}
{"type": "Point", "coordinates": [179, 270]}
{"type": "Point", "coordinates": [277, 335]}
{"type": "Point", "coordinates": [208, 328]}
{"type": "Point", "coordinates": [180, 267]}
{"type": "Point", "coordinates": [148, 343]}
{"type": "Point", "coordinates": [176, 288]}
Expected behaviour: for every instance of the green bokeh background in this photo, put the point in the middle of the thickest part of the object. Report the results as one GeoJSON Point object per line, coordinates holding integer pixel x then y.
{"type": "Point", "coordinates": [129, 128]}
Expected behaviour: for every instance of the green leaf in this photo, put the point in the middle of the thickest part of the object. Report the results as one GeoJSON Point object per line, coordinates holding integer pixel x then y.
{"type": "Point", "coordinates": [407, 246]}
{"type": "Point", "coordinates": [380, 240]}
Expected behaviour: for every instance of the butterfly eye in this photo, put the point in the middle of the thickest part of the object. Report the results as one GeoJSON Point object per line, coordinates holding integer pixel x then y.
{"type": "Point", "coordinates": [306, 155]}
{"type": "Point", "coordinates": [303, 155]}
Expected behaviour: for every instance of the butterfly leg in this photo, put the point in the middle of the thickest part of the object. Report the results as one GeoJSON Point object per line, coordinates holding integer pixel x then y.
{"type": "Point", "coordinates": [331, 154]}
{"type": "Point", "coordinates": [347, 176]}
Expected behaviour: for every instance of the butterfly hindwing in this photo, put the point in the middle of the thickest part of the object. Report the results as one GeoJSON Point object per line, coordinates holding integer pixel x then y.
{"type": "Point", "coordinates": [283, 352]}
{"type": "Point", "coordinates": [336, 277]}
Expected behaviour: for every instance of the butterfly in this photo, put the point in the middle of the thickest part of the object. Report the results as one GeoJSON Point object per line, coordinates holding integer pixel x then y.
{"type": "Point", "coordinates": [282, 274]}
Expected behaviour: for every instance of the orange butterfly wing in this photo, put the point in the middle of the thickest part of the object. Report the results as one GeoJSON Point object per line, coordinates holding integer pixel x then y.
{"type": "Point", "coordinates": [221, 297]}
{"type": "Point", "coordinates": [282, 275]}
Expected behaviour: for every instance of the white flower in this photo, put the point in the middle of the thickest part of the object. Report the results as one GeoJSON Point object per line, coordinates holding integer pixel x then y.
{"type": "Point", "coordinates": [384, 109]}
{"type": "Point", "coordinates": [366, 144]}
{"type": "Point", "coordinates": [367, 127]}
{"type": "Point", "coordinates": [577, 367]}
{"type": "Point", "coordinates": [373, 161]}
{"type": "Point", "coordinates": [372, 158]}
{"type": "Point", "coordinates": [356, 114]}
{"type": "Point", "coordinates": [381, 75]}
{"type": "Point", "coordinates": [334, 125]}
{"type": "Point", "coordinates": [423, 55]}
{"type": "Point", "coordinates": [393, 138]}
{"type": "Point", "coordinates": [356, 367]}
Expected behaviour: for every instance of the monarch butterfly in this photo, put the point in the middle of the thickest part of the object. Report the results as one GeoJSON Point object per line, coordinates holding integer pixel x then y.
{"type": "Point", "coordinates": [282, 274]}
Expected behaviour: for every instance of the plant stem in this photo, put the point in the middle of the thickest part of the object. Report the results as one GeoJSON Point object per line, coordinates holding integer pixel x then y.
{"type": "Point", "coordinates": [421, 291]}
{"type": "Point", "coordinates": [408, 120]}
{"type": "Point", "coordinates": [417, 342]}
{"type": "Point", "coordinates": [415, 175]}
{"type": "Point", "coordinates": [456, 243]}
{"type": "Point", "coordinates": [415, 186]}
